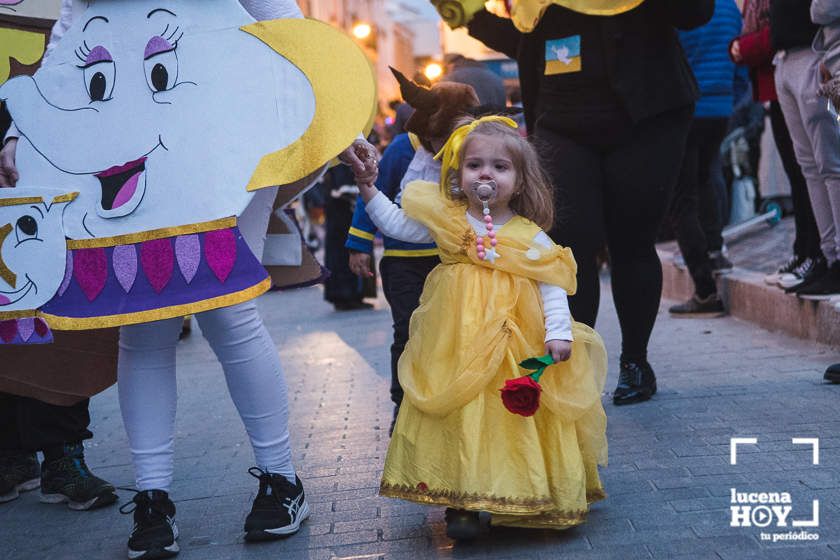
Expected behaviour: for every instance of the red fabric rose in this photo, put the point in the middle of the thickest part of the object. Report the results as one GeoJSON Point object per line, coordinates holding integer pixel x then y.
{"type": "Point", "coordinates": [521, 395]}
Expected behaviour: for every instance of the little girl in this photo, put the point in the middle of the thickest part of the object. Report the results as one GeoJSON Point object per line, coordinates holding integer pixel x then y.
{"type": "Point", "coordinates": [497, 298]}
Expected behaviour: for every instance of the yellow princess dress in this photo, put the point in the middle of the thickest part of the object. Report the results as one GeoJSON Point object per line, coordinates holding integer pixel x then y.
{"type": "Point", "coordinates": [454, 443]}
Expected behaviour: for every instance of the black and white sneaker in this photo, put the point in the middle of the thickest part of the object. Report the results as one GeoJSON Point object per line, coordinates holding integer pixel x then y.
{"type": "Point", "coordinates": [154, 534]}
{"type": "Point", "coordinates": [786, 268]}
{"type": "Point", "coordinates": [279, 508]}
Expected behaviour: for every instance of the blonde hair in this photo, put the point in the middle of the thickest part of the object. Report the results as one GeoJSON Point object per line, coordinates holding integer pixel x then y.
{"type": "Point", "coordinates": [534, 199]}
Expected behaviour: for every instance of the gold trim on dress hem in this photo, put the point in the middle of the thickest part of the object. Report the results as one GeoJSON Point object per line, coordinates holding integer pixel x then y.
{"type": "Point", "coordinates": [493, 504]}
{"type": "Point", "coordinates": [60, 323]}
{"type": "Point", "coordinates": [130, 238]}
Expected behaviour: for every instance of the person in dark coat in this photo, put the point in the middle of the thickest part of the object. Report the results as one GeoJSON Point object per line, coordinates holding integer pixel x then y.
{"type": "Point", "coordinates": [609, 101]}
{"type": "Point", "coordinates": [695, 206]}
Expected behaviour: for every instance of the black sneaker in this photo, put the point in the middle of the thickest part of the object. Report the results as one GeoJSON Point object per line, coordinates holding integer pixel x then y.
{"type": "Point", "coordinates": [19, 472]}
{"type": "Point", "coordinates": [832, 373]}
{"type": "Point", "coordinates": [279, 508]}
{"type": "Point", "coordinates": [809, 271]}
{"type": "Point", "coordinates": [788, 267]}
{"type": "Point", "coordinates": [825, 287]}
{"type": "Point", "coordinates": [462, 525]}
{"type": "Point", "coordinates": [154, 534]}
{"type": "Point", "coordinates": [68, 479]}
{"type": "Point", "coordinates": [710, 306]}
{"type": "Point", "coordinates": [720, 264]}
{"type": "Point", "coordinates": [636, 383]}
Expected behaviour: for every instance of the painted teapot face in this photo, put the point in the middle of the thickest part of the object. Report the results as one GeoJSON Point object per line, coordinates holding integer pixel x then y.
{"type": "Point", "coordinates": [32, 247]}
{"type": "Point", "coordinates": [148, 109]}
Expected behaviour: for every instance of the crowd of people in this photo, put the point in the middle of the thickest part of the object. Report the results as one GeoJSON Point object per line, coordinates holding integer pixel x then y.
{"type": "Point", "coordinates": [494, 210]}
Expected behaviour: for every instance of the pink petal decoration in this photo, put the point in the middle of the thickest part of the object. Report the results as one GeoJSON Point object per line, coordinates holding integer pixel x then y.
{"type": "Point", "coordinates": [124, 259]}
{"type": "Point", "coordinates": [8, 330]}
{"type": "Point", "coordinates": [68, 274]}
{"type": "Point", "coordinates": [25, 328]}
{"type": "Point", "coordinates": [188, 255]}
{"type": "Point", "coordinates": [220, 252]}
{"type": "Point", "coordinates": [90, 268]}
{"type": "Point", "coordinates": [158, 260]}
{"type": "Point", "coordinates": [41, 328]}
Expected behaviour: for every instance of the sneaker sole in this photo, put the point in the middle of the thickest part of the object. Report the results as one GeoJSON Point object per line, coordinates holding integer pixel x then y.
{"type": "Point", "coordinates": [22, 487]}
{"type": "Point", "coordinates": [695, 314]}
{"type": "Point", "coordinates": [99, 501]}
{"type": "Point", "coordinates": [816, 297]}
{"type": "Point", "coordinates": [258, 535]}
{"type": "Point", "coordinates": [160, 552]}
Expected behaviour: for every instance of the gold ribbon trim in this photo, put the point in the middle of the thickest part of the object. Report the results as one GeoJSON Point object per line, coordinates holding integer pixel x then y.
{"type": "Point", "coordinates": [151, 235]}
{"type": "Point", "coordinates": [59, 323]}
{"type": "Point", "coordinates": [12, 315]}
{"type": "Point", "coordinates": [21, 200]}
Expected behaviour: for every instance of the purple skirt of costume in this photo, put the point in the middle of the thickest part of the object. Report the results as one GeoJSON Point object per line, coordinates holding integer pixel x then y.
{"type": "Point", "coordinates": [154, 280]}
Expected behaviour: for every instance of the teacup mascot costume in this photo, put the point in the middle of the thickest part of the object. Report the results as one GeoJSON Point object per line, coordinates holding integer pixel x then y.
{"type": "Point", "coordinates": [497, 298]}
{"type": "Point", "coordinates": [153, 230]}
{"type": "Point", "coordinates": [168, 118]}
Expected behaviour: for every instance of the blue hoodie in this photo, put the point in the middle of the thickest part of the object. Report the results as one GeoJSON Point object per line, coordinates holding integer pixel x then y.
{"type": "Point", "coordinates": [707, 51]}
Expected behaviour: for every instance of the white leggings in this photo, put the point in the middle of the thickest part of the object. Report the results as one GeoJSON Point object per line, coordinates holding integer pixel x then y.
{"type": "Point", "coordinates": [148, 391]}
{"type": "Point", "coordinates": [146, 376]}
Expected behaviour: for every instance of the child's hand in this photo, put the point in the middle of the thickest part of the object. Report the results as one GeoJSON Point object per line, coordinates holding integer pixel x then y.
{"type": "Point", "coordinates": [367, 191]}
{"type": "Point", "coordinates": [560, 350]}
{"type": "Point", "coordinates": [360, 264]}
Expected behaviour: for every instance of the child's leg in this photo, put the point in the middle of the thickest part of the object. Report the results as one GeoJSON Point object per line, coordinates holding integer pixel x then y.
{"type": "Point", "coordinates": [255, 381]}
{"type": "Point", "coordinates": [148, 395]}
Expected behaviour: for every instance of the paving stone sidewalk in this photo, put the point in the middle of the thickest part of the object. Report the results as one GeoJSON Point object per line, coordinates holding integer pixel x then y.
{"type": "Point", "coordinates": [668, 480]}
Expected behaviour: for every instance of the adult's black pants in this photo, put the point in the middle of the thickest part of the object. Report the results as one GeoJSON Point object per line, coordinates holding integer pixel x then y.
{"type": "Point", "coordinates": [402, 283]}
{"type": "Point", "coordinates": [694, 201]}
{"type": "Point", "coordinates": [615, 189]}
{"type": "Point", "coordinates": [32, 425]}
{"type": "Point", "coordinates": [807, 240]}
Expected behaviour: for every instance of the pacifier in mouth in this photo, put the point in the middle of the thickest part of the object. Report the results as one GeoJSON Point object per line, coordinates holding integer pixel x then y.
{"type": "Point", "coordinates": [485, 190]}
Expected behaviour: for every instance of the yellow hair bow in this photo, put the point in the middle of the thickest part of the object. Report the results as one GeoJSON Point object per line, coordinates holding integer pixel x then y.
{"type": "Point", "coordinates": [450, 154]}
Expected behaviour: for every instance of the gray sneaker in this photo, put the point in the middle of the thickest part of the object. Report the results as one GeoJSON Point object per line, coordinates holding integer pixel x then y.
{"type": "Point", "coordinates": [710, 306]}
{"type": "Point", "coordinates": [19, 472]}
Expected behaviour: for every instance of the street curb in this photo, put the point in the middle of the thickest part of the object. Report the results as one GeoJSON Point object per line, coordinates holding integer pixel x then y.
{"type": "Point", "coordinates": [747, 297]}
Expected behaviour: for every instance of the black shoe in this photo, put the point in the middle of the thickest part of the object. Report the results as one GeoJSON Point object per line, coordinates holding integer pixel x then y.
{"type": "Point", "coordinates": [393, 421]}
{"type": "Point", "coordinates": [462, 525]}
{"type": "Point", "coordinates": [279, 508]}
{"type": "Point", "coordinates": [352, 305]}
{"type": "Point", "coordinates": [825, 287]}
{"type": "Point", "coordinates": [710, 306]}
{"type": "Point", "coordinates": [720, 264]}
{"type": "Point", "coordinates": [154, 534]}
{"type": "Point", "coordinates": [787, 268]}
{"type": "Point", "coordinates": [68, 479]}
{"type": "Point", "coordinates": [636, 383]}
{"type": "Point", "coordinates": [809, 271]}
{"type": "Point", "coordinates": [832, 373]}
{"type": "Point", "coordinates": [19, 472]}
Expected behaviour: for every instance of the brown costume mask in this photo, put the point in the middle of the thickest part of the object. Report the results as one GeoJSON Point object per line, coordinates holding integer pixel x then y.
{"type": "Point", "coordinates": [436, 108]}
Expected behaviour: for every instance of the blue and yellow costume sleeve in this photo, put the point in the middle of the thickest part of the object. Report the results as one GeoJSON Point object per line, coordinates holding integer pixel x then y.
{"type": "Point", "coordinates": [392, 167]}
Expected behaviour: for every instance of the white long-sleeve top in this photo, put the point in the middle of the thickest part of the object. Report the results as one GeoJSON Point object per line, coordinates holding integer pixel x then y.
{"type": "Point", "coordinates": [393, 222]}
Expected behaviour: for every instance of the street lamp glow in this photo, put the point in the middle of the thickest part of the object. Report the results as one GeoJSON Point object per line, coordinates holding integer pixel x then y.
{"type": "Point", "coordinates": [362, 30]}
{"type": "Point", "coordinates": [433, 70]}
